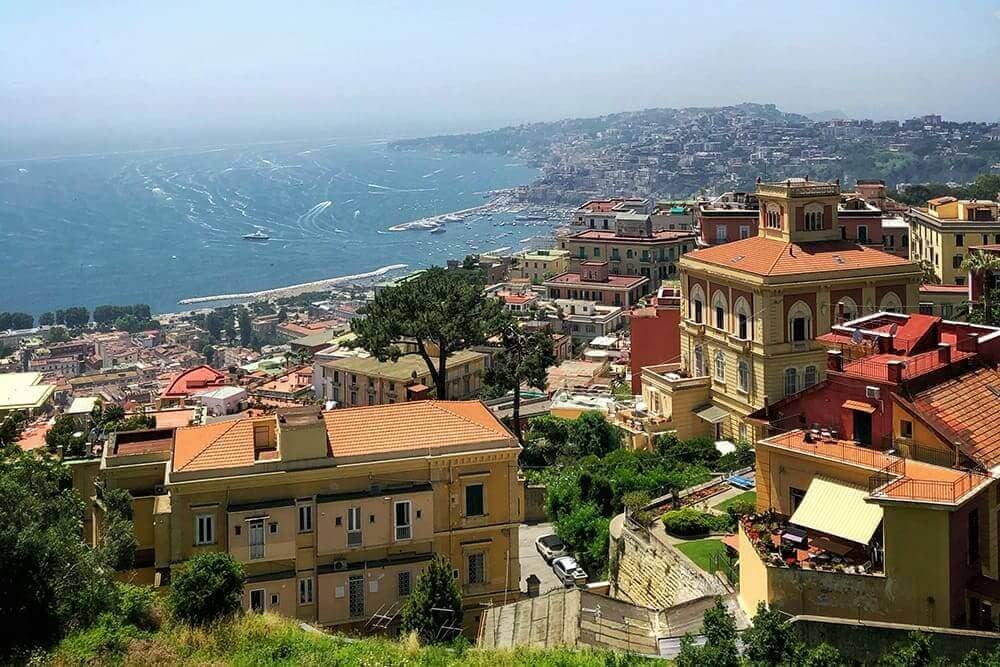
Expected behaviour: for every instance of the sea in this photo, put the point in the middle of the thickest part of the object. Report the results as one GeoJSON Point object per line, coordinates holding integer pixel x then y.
{"type": "Point", "coordinates": [159, 226]}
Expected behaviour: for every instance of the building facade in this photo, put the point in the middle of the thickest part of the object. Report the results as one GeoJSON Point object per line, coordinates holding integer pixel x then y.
{"type": "Point", "coordinates": [751, 309]}
{"type": "Point", "coordinates": [942, 233]}
{"type": "Point", "coordinates": [594, 282]}
{"type": "Point", "coordinates": [537, 266]}
{"type": "Point", "coordinates": [633, 249]}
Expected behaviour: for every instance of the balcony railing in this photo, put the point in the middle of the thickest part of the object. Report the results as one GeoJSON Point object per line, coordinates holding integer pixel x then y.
{"type": "Point", "coordinates": [354, 538]}
{"type": "Point", "coordinates": [931, 490]}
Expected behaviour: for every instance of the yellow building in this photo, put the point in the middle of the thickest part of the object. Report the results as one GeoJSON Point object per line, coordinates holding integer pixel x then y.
{"type": "Point", "coordinates": [539, 265]}
{"type": "Point", "coordinates": [851, 532]}
{"type": "Point", "coordinates": [24, 392]}
{"type": "Point", "coordinates": [752, 308]}
{"type": "Point", "coordinates": [333, 514]}
{"type": "Point", "coordinates": [942, 233]}
{"type": "Point", "coordinates": [355, 381]}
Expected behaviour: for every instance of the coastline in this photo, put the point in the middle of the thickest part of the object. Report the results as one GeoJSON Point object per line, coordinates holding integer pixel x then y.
{"type": "Point", "coordinates": [293, 290]}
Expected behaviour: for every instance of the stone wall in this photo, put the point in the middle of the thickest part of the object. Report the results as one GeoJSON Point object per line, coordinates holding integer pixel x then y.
{"type": "Point", "coordinates": [649, 572]}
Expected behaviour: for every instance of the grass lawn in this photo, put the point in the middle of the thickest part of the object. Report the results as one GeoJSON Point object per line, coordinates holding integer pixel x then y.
{"type": "Point", "coordinates": [701, 551]}
{"type": "Point", "coordinates": [749, 496]}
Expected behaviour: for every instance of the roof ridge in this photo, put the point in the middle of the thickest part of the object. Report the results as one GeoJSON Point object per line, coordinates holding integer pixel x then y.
{"type": "Point", "coordinates": [787, 245]}
{"type": "Point", "coordinates": [211, 442]}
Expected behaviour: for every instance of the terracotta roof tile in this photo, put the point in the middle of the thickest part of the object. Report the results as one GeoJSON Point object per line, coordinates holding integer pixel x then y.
{"type": "Point", "coordinates": [967, 409]}
{"type": "Point", "coordinates": [613, 280]}
{"type": "Point", "coordinates": [192, 380]}
{"type": "Point", "coordinates": [773, 257]}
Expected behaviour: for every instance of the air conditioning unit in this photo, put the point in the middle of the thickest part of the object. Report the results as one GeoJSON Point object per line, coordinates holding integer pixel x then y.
{"type": "Point", "coordinates": [339, 565]}
{"type": "Point", "coordinates": [873, 392]}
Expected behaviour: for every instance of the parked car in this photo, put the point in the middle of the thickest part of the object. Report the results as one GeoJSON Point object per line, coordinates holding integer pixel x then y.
{"type": "Point", "coordinates": [550, 546]}
{"type": "Point", "coordinates": [569, 571]}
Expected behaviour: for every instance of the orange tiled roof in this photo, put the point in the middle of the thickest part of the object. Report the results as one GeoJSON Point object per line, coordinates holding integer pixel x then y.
{"type": "Point", "coordinates": [773, 257]}
{"type": "Point", "coordinates": [419, 425]}
{"type": "Point", "coordinates": [380, 430]}
{"type": "Point", "coordinates": [966, 409]}
{"type": "Point", "coordinates": [194, 379]}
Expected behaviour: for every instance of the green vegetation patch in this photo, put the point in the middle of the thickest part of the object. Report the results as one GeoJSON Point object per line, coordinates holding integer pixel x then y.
{"type": "Point", "coordinates": [702, 552]}
{"type": "Point", "coordinates": [745, 498]}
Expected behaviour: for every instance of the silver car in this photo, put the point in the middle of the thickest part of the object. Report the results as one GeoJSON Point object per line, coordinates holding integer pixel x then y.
{"type": "Point", "coordinates": [550, 546]}
{"type": "Point", "coordinates": [569, 571]}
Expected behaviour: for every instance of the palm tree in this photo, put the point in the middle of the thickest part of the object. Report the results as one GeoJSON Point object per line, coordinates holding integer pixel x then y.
{"type": "Point", "coordinates": [984, 265]}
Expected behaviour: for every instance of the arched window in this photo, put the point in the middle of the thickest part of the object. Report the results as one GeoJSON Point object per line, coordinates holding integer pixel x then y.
{"type": "Point", "coordinates": [772, 213]}
{"type": "Point", "coordinates": [744, 328]}
{"type": "Point", "coordinates": [719, 307]}
{"type": "Point", "coordinates": [697, 303]}
{"type": "Point", "coordinates": [799, 323]}
{"type": "Point", "coordinates": [791, 381]}
{"type": "Point", "coordinates": [891, 303]}
{"type": "Point", "coordinates": [699, 361]}
{"type": "Point", "coordinates": [814, 217]}
{"type": "Point", "coordinates": [809, 377]}
{"type": "Point", "coordinates": [848, 309]}
{"type": "Point", "coordinates": [744, 373]}
{"type": "Point", "coordinates": [720, 366]}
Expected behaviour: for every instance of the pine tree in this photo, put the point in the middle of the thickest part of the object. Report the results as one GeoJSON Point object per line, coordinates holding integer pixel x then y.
{"type": "Point", "coordinates": [435, 589]}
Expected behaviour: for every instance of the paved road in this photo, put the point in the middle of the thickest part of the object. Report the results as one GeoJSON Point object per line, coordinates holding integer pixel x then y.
{"type": "Point", "coordinates": [531, 562]}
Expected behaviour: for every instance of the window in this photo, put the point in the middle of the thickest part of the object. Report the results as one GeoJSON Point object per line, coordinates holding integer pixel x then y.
{"type": "Point", "coordinates": [791, 381]}
{"type": "Point", "coordinates": [354, 526]}
{"type": "Point", "coordinates": [862, 234]}
{"type": "Point", "coordinates": [404, 530]}
{"type": "Point", "coordinates": [204, 529]}
{"type": "Point", "coordinates": [720, 233]}
{"type": "Point", "coordinates": [597, 252]}
{"type": "Point", "coordinates": [814, 217]}
{"type": "Point", "coordinates": [743, 319]}
{"type": "Point", "coordinates": [403, 584]}
{"type": "Point", "coordinates": [699, 361]}
{"type": "Point", "coordinates": [974, 535]}
{"type": "Point", "coordinates": [796, 496]}
{"type": "Point", "coordinates": [744, 231]}
{"type": "Point", "coordinates": [306, 590]}
{"type": "Point", "coordinates": [956, 262]}
{"type": "Point", "coordinates": [905, 428]}
{"type": "Point", "coordinates": [474, 501]}
{"type": "Point", "coordinates": [720, 317]}
{"type": "Point", "coordinates": [809, 378]}
{"type": "Point", "coordinates": [799, 323]}
{"type": "Point", "coordinates": [255, 528]}
{"type": "Point", "coordinates": [773, 216]}
{"type": "Point", "coordinates": [697, 312]}
{"type": "Point", "coordinates": [257, 600]}
{"type": "Point", "coordinates": [959, 240]}
{"type": "Point", "coordinates": [356, 595]}
{"type": "Point", "coordinates": [305, 518]}
{"type": "Point", "coordinates": [744, 373]}
{"type": "Point", "coordinates": [720, 366]}
{"type": "Point", "coordinates": [477, 568]}
{"type": "Point", "coordinates": [273, 527]}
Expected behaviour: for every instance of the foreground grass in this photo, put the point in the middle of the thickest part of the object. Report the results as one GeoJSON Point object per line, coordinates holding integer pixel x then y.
{"type": "Point", "coordinates": [701, 551]}
{"type": "Point", "coordinates": [272, 640]}
{"type": "Point", "coordinates": [748, 496]}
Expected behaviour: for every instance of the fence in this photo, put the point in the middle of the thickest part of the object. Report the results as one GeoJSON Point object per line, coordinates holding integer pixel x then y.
{"type": "Point", "coordinates": [720, 562]}
{"type": "Point", "coordinates": [931, 490]}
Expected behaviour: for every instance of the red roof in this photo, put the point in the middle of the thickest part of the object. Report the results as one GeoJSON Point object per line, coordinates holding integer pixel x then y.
{"type": "Point", "coordinates": [194, 380]}
{"type": "Point", "coordinates": [944, 289]}
{"type": "Point", "coordinates": [773, 257]}
{"type": "Point", "coordinates": [517, 299]}
{"type": "Point", "coordinates": [600, 205]}
{"type": "Point", "coordinates": [623, 282]}
{"type": "Point", "coordinates": [601, 235]}
{"type": "Point", "coordinates": [966, 409]}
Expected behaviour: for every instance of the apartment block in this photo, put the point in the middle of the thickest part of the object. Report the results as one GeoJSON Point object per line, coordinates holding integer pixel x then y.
{"type": "Point", "coordinates": [943, 232]}
{"type": "Point", "coordinates": [333, 514]}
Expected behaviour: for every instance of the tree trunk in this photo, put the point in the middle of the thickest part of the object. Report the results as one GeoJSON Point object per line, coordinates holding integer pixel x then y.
{"type": "Point", "coordinates": [435, 373]}
{"type": "Point", "coordinates": [442, 378]}
{"type": "Point", "coordinates": [517, 412]}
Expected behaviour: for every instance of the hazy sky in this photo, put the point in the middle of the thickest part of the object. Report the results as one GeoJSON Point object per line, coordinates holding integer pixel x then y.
{"type": "Point", "coordinates": [154, 70]}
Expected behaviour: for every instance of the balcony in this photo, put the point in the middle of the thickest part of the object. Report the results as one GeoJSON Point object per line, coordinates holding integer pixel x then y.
{"type": "Point", "coordinates": [779, 544]}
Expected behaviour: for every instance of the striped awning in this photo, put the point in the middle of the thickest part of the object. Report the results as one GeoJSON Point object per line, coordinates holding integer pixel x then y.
{"type": "Point", "coordinates": [838, 509]}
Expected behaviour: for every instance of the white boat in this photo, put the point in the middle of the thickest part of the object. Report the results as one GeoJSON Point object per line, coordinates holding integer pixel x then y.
{"type": "Point", "coordinates": [256, 236]}
{"type": "Point", "coordinates": [438, 230]}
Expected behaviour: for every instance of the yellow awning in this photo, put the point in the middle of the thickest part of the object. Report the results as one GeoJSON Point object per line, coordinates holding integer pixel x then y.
{"type": "Point", "coordinates": [713, 414]}
{"type": "Point", "coordinates": [838, 509]}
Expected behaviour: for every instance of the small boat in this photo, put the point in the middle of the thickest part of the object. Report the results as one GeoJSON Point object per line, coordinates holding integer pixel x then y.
{"type": "Point", "coordinates": [438, 230]}
{"type": "Point", "coordinates": [256, 236]}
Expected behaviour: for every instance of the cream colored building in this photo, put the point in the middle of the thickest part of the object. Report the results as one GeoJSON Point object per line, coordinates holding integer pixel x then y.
{"type": "Point", "coordinates": [332, 514]}
{"type": "Point", "coordinates": [539, 265]}
{"type": "Point", "coordinates": [356, 381]}
{"type": "Point", "coordinates": [752, 308]}
{"type": "Point", "coordinates": [942, 233]}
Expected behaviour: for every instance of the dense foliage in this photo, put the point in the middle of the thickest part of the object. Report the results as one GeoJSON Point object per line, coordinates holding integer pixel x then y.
{"type": "Point", "coordinates": [435, 588]}
{"type": "Point", "coordinates": [552, 440]}
{"type": "Point", "coordinates": [209, 587]}
{"type": "Point", "coordinates": [523, 360]}
{"type": "Point", "coordinates": [689, 522]}
{"type": "Point", "coordinates": [986, 186]}
{"type": "Point", "coordinates": [16, 321]}
{"type": "Point", "coordinates": [440, 311]}
{"type": "Point", "coordinates": [50, 581]}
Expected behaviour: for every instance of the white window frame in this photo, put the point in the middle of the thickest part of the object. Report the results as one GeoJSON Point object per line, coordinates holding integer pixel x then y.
{"type": "Point", "coordinates": [744, 232]}
{"type": "Point", "coordinates": [354, 516]}
{"type": "Point", "coordinates": [699, 360]}
{"type": "Point", "coordinates": [208, 520]}
{"type": "Point", "coordinates": [306, 590]}
{"type": "Point", "coordinates": [720, 366]}
{"type": "Point", "coordinates": [772, 216]}
{"type": "Point", "coordinates": [810, 376]}
{"type": "Point", "coordinates": [263, 538]}
{"type": "Point", "coordinates": [814, 218]}
{"type": "Point", "coordinates": [742, 308]}
{"type": "Point", "coordinates": [305, 511]}
{"type": "Point", "coordinates": [793, 374]}
{"type": "Point", "coordinates": [407, 532]}
{"type": "Point", "coordinates": [263, 600]}
{"type": "Point", "coordinates": [721, 232]}
{"type": "Point", "coordinates": [800, 310]}
{"type": "Point", "coordinates": [697, 303]}
{"type": "Point", "coordinates": [743, 371]}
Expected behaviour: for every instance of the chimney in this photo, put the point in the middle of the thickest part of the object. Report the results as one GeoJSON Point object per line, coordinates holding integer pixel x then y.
{"type": "Point", "coordinates": [894, 371]}
{"type": "Point", "coordinates": [834, 360]}
{"type": "Point", "coordinates": [944, 353]}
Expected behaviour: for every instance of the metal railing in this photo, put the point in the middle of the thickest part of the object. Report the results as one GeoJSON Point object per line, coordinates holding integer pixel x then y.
{"type": "Point", "coordinates": [833, 449]}
{"type": "Point", "coordinates": [931, 490]}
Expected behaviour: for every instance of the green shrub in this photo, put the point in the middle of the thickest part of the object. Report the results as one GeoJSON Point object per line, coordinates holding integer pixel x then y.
{"type": "Point", "coordinates": [209, 587]}
{"type": "Point", "coordinates": [739, 508]}
{"type": "Point", "coordinates": [436, 588]}
{"type": "Point", "coordinates": [137, 606]}
{"type": "Point", "coordinates": [108, 638]}
{"type": "Point", "coordinates": [690, 522]}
